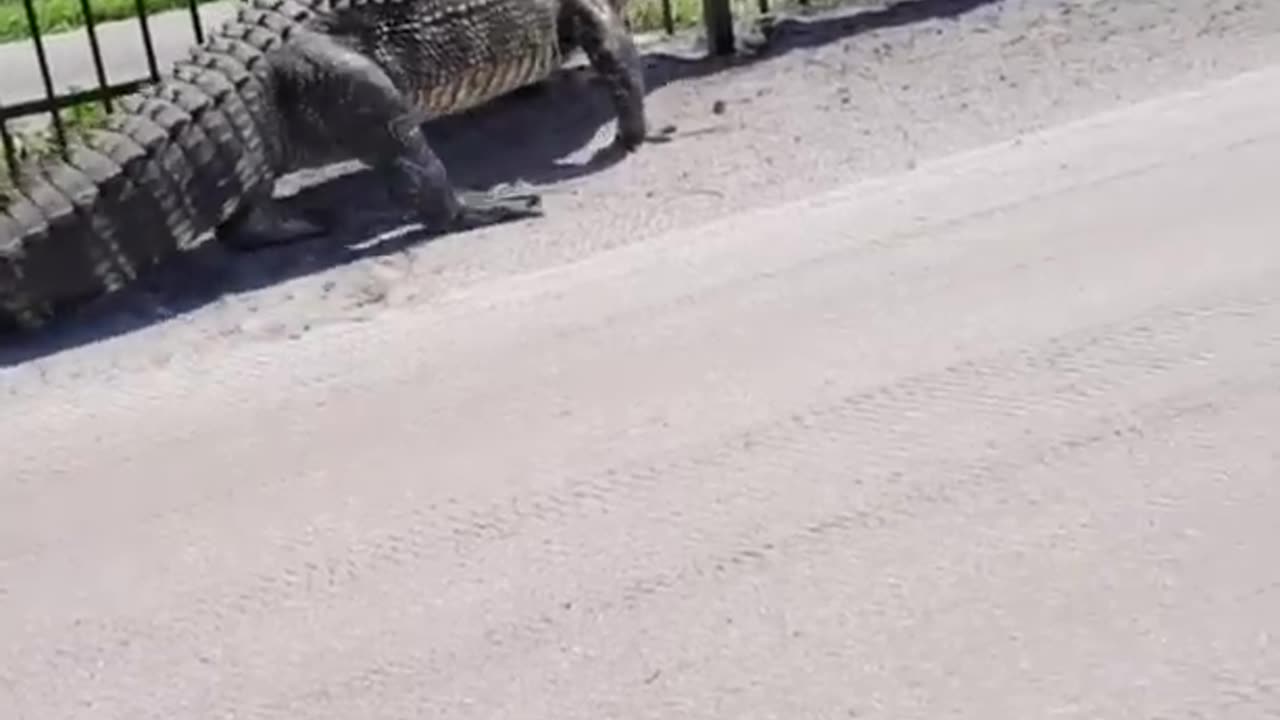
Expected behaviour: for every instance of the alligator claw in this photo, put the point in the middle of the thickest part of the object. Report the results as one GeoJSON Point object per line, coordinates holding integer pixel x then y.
{"type": "Point", "coordinates": [499, 206]}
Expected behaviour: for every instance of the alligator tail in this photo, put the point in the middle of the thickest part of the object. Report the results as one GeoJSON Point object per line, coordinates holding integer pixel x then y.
{"type": "Point", "coordinates": [179, 158]}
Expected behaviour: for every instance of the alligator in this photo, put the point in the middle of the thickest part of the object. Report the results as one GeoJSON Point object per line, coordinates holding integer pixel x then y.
{"type": "Point", "coordinates": [282, 86]}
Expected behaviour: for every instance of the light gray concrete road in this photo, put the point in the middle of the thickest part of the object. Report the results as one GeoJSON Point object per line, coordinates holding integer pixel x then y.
{"type": "Point", "coordinates": [995, 438]}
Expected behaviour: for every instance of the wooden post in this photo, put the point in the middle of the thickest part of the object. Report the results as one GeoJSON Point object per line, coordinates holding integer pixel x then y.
{"type": "Point", "coordinates": [718, 16]}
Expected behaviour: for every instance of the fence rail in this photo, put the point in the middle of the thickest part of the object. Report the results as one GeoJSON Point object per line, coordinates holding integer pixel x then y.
{"type": "Point", "coordinates": [717, 16]}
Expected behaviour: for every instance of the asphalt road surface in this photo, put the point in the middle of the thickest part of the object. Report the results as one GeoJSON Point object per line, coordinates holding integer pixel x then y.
{"type": "Point", "coordinates": [994, 437]}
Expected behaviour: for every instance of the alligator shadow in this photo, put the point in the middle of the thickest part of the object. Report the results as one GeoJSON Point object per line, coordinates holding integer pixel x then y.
{"type": "Point", "coordinates": [525, 136]}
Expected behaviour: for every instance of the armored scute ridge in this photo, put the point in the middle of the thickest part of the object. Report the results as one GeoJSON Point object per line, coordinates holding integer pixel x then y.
{"type": "Point", "coordinates": [289, 84]}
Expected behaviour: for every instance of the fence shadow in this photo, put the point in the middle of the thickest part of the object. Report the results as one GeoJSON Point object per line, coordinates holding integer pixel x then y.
{"type": "Point", "coordinates": [524, 136]}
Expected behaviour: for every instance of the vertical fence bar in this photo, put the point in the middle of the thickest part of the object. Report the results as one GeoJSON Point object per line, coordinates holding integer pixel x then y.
{"type": "Point", "coordinates": [764, 6]}
{"type": "Point", "coordinates": [196, 27]}
{"type": "Point", "coordinates": [10, 148]}
{"type": "Point", "coordinates": [148, 46]}
{"type": "Point", "coordinates": [717, 15]}
{"type": "Point", "coordinates": [45, 75]}
{"type": "Point", "coordinates": [668, 17]}
{"type": "Point", "coordinates": [96, 49]}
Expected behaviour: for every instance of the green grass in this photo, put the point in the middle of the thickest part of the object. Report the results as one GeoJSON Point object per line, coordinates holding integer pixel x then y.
{"type": "Point", "coordinates": [35, 145]}
{"type": "Point", "coordinates": [646, 15]}
{"type": "Point", "coordinates": [54, 16]}
{"type": "Point", "coordinates": [76, 120]}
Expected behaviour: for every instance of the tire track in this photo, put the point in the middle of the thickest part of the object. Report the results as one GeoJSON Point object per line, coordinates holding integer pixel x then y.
{"type": "Point", "coordinates": [964, 482]}
{"type": "Point", "coordinates": [1149, 346]}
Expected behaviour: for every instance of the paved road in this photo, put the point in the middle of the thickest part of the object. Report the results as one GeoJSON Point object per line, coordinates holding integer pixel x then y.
{"type": "Point", "coordinates": [991, 439]}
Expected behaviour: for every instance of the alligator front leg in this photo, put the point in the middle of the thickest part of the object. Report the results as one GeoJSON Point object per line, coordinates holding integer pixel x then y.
{"type": "Point", "coordinates": [361, 109]}
{"type": "Point", "coordinates": [601, 31]}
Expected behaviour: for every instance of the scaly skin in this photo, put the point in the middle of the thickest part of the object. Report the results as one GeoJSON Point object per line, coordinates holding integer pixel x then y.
{"type": "Point", "coordinates": [285, 85]}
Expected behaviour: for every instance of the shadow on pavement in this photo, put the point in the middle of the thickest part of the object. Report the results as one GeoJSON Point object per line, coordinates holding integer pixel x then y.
{"type": "Point", "coordinates": [523, 136]}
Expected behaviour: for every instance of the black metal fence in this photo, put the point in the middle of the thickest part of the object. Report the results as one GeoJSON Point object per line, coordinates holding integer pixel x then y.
{"type": "Point", "coordinates": [54, 102]}
{"type": "Point", "coordinates": [717, 17]}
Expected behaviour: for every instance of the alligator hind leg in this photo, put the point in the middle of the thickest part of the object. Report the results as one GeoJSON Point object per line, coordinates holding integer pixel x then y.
{"type": "Point", "coordinates": [415, 175]}
{"type": "Point", "coordinates": [263, 222]}
{"type": "Point", "coordinates": [367, 115]}
{"type": "Point", "coordinates": [600, 29]}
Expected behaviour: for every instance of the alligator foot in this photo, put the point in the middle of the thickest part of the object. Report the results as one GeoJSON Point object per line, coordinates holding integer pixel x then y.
{"type": "Point", "coordinates": [601, 31]}
{"type": "Point", "coordinates": [18, 316]}
{"type": "Point", "coordinates": [754, 38]}
{"type": "Point", "coordinates": [624, 144]}
{"type": "Point", "coordinates": [477, 209]}
{"type": "Point", "coordinates": [627, 142]}
{"type": "Point", "coordinates": [265, 224]}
